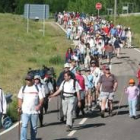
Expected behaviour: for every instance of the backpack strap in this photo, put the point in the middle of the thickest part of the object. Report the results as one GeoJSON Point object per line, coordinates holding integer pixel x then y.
{"type": "Point", "coordinates": [63, 86]}
{"type": "Point", "coordinates": [37, 88]}
{"type": "Point", "coordinates": [74, 84]}
{"type": "Point", "coordinates": [23, 89]}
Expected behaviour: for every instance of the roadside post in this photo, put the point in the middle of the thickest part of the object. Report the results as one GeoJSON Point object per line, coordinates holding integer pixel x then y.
{"type": "Point", "coordinates": [98, 6]}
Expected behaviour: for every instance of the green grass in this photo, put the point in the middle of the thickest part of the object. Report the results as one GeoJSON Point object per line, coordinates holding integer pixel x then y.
{"type": "Point", "coordinates": [19, 50]}
{"type": "Point", "coordinates": [134, 23]}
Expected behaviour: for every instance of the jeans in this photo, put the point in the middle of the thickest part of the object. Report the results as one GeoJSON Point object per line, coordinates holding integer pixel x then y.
{"type": "Point", "coordinates": [33, 118]}
{"type": "Point", "coordinates": [82, 57]}
{"type": "Point", "coordinates": [132, 107]}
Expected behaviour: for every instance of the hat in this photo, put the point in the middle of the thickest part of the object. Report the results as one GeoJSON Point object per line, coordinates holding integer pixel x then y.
{"type": "Point", "coordinates": [78, 69]}
{"type": "Point", "coordinates": [131, 81]}
{"type": "Point", "coordinates": [66, 65]}
{"type": "Point", "coordinates": [92, 62]}
{"type": "Point", "coordinates": [107, 68]}
{"type": "Point", "coordinates": [37, 77]}
{"type": "Point", "coordinates": [29, 77]}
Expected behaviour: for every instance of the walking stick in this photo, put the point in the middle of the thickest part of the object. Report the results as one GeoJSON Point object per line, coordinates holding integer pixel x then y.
{"type": "Point", "coordinates": [19, 125]}
{"type": "Point", "coordinates": [58, 107]}
{"type": "Point", "coordinates": [120, 103]}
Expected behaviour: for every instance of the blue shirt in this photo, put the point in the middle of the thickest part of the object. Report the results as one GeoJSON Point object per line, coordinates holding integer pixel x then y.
{"type": "Point", "coordinates": [90, 81]}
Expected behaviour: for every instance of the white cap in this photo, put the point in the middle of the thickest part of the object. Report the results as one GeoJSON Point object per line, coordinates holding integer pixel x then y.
{"type": "Point", "coordinates": [66, 65]}
{"type": "Point", "coordinates": [37, 77]}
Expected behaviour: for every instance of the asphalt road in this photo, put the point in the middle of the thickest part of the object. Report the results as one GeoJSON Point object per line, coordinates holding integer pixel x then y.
{"type": "Point", "coordinates": [92, 126]}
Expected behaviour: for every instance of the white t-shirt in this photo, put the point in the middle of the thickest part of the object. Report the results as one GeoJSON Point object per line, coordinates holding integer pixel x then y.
{"type": "Point", "coordinates": [3, 104]}
{"type": "Point", "coordinates": [96, 72]}
{"type": "Point", "coordinates": [30, 99]}
{"type": "Point", "coordinates": [69, 87]}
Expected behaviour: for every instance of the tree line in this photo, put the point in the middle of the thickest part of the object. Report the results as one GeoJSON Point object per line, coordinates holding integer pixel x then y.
{"type": "Point", "coordinates": [86, 6]}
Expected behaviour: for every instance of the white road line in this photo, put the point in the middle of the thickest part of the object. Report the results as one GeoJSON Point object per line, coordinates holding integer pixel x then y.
{"type": "Point", "coordinates": [71, 133]}
{"type": "Point", "coordinates": [74, 131]}
{"type": "Point", "coordinates": [12, 127]}
{"type": "Point", "coordinates": [136, 49]}
{"type": "Point", "coordinates": [83, 121]}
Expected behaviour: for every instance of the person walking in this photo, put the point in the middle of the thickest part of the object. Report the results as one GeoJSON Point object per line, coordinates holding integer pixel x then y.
{"type": "Point", "coordinates": [30, 100]}
{"type": "Point", "coordinates": [90, 86]}
{"type": "Point", "coordinates": [138, 76]}
{"type": "Point", "coordinates": [69, 87]}
{"type": "Point", "coordinates": [81, 80]}
{"type": "Point", "coordinates": [96, 73]}
{"type": "Point", "coordinates": [132, 92]}
{"type": "Point", "coordinates": [3, 105]}
{"type": "Point", "coordinates": [107, 85]}
{"type": "Point", "coordinates": [58, 83]}
{"type": "Point", "coordinates": [44, 91]}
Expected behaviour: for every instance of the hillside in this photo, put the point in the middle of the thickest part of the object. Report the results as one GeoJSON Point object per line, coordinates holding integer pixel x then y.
{"type": "Point", "coordinates": [133, 22]}
{"type": "Point", "coordinates": [19, 50]}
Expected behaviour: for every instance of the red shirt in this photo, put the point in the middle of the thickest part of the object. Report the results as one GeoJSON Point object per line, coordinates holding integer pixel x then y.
{"type": "Point", "coordinates": [138, 75]}
{"type": "Point", "coordinates": [81, 81]}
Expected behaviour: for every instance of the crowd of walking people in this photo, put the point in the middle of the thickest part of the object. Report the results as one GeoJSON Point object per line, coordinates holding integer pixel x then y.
{"type": "Point", "coordinates": [86, 82]}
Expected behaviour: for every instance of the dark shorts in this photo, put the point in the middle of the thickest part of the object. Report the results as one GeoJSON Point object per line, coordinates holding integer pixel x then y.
{"type": "Point", "coordinates": [109, 55]}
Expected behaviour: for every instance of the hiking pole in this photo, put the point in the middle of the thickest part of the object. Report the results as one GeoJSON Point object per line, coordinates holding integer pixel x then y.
{"type": "Point", "coordinates": [58, 107]}
{"type": "Point", "coordinates": [120, 103]}
{"type": "Point", "coordinates": [19, 125]}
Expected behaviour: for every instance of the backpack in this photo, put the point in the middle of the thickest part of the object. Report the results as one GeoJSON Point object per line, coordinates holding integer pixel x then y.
{"type": "Point", "coordinates": [74, 87]}
{"type": "Point", "coordinates": [35, 87]}
{"type": "Point", "coordinates": [6, 122]}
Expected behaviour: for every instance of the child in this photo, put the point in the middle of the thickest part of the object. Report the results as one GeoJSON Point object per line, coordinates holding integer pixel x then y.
{"type": "Point", "coordinates": [90, 86]}
{"type": "Point", "coordinates": [132, 91]}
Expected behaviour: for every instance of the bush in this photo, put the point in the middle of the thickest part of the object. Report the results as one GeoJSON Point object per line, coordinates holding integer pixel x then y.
{"type": "Point", "coordinates": [56, 60]}
{"type": "Point", "coordinates": [12, 110]}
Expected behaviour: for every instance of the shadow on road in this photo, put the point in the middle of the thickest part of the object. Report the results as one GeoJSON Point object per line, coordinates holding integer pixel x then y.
{"type": "Point", "coordinates": [122, 106]}
{"type": "Point", "coordinates": [38, 138]}
{"type": "Point", "coordinates": [51, 124]}
{"type": "Point", "coordinates": [67, 139]}
{"type": "Point", "coordinates": [124, 57]}
{"type": "Point", "coordinates": [88, 126]}
{"type": "Point", "coordinates": [123, 112]}
{"type": "Point", "coordinates": [116, 63]}
{"type": "Point", "coordinates": [115, 102]}
{"type": "Point", "coordinates": [52, 111]}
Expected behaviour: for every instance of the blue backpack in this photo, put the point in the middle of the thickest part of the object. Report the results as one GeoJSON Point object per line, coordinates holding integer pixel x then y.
{"type": "Point", "coordinates": [6, 122]}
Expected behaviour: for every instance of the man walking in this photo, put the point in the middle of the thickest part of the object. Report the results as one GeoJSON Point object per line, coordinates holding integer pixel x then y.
{"type": "Point", "coordinates": [45, 92]}
{"type": "Point", "coordinates": [108, 85]}
{"type": "Point", "coordinates": [58, 83]}
{"type": "Point", "coordinates": [3, 104]}
{"type": "Point", "coordinates": [30, 100]}
{"type": "Point", "coordinates": [69, 87]}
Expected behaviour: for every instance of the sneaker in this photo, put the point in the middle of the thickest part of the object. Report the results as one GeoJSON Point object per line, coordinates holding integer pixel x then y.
{"type": "Point", "coordinates": [110, 114]}
{"type": "Point", "coordinates": [83, 112]}
{"type": "Point", "coordinates": [62, 119]}
{"type": "Point", "coordinates": [134, 117]}
{"type": "Point", "coordinates": [69, 128]}
{"type": "Point", "coordinates": [102, 114]}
